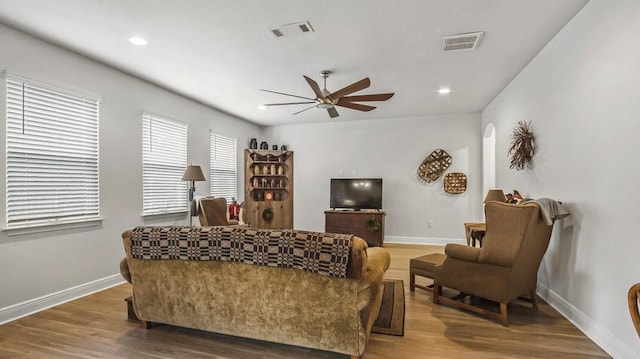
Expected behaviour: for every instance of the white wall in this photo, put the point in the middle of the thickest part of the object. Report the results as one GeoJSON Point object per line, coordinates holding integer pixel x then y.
{"type": "Point", "coordinates": [391, 149]}
{"type": "Point", "coordinates": [38, 265]}
{"type": "Point", "coordinates": [582, 96]}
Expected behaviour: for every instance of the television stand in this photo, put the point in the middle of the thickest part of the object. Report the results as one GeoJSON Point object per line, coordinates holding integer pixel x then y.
{"type": "Point", "coordinates": [355, 222]}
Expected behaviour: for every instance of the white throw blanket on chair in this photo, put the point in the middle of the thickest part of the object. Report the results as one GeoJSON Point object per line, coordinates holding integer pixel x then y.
{"type": "Point", "coordinates": [551, 209]}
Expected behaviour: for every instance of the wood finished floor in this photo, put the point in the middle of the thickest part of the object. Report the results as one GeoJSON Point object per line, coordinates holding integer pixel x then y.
{"type": "Point", "coordinates": [96, 327]}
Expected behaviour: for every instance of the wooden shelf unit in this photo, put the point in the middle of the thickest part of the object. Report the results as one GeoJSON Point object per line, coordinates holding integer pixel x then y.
{"type": "Point", "coordinates": [355, 222]}
{"type": "Point", "coordinates": [268, 182]}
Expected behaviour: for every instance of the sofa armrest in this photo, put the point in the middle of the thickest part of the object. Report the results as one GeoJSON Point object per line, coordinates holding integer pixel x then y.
{"type": "Point", "coordinates": [462, 252]}
{"type": "Point", "coordinates": [124, 269]}
{"type": "Point", "coordinates": [378, 261]}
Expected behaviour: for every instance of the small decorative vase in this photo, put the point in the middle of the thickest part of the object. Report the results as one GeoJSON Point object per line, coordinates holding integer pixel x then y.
{"type": "Point", "coordinates": [253, 144]}
{"type": "Point", "coordinates": [274, 147]}
{"type": "Point", "coordinates": [264, 145]}
{"type": "Point", "coordinates": [283, 148]}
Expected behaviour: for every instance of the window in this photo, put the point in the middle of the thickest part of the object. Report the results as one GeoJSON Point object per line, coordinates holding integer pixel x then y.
{"type": "Point", "coordinates": [164, 159]}
{"type": "Point", "coordinates": [52, 155]}
{"type": "Point", "coordinates": [224, 169]}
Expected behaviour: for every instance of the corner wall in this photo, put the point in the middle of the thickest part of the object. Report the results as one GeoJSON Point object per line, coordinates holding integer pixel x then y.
{"type": "Point", "coordinates": [582, 96]}
{"type": "Point", "coordinates": [40, 270]}
{"type": "Point", "coordinates": [392, 149]}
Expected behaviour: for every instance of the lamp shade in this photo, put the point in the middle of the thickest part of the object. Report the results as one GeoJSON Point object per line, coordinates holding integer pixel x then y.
{"type": "Point", "coordinates": [193, 173]}
{"type": "Point", "coordinates": [495, 195]}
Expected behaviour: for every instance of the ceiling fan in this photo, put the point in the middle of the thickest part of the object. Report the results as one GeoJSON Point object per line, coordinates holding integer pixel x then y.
{"type": "Point", "coordinates": [328, 100]}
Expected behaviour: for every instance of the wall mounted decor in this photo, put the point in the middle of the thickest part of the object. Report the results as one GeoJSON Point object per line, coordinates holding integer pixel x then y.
{"type": "Point", "coordinates": [522, 147]}
{"type": "Point", "coordinates": [455, 182]}
{"type": "Point", "coordinates": [434, 165]}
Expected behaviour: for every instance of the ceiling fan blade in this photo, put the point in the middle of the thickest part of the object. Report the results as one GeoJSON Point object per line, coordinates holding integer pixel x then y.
{"type": "Point", "coordinates": [356, 86]}
{"type": "Point", "coordinates": [288, 103]}
{"type": "Point", "coordinates": [356, 106]}
{"type": "Point", "coordinates": [372, 97]}
{"type": "Point", "coordinates": [333, 113]}
{"type": "Point", "coordinates": [308, 108]}
{"type": "Point", "coordinates": [314, 86]}
{"type": "Point", "coordinates": [287, 94]}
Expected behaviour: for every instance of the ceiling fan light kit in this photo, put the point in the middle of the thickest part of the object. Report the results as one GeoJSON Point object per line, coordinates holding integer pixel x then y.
{"type": "Point", "coordinates": [328, 100]}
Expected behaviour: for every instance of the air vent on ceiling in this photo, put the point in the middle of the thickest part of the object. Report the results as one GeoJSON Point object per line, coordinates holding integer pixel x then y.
{"type": "Point", "coordinates": [460, 42]}
{"type": "Point", "coordinates": [292, 29]}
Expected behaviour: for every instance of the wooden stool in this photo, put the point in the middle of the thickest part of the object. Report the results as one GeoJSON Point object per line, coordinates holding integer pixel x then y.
{"type": "Point", "coordinates": [424, 267]}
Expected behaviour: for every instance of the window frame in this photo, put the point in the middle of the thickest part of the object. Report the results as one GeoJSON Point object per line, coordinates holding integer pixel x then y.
{"type": "Point", "coordinates": [215, 181]}
{"type": "Point", "coordinates": [178, 201]}
{"type": "Point", "coordinates": [52, 113]}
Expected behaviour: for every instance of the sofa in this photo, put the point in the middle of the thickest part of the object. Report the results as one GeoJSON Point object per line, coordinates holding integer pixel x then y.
{"type": "Point", "coordinates": [309, 289]}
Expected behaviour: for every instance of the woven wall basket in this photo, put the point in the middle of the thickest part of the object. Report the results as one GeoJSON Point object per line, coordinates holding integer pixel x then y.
{"type": "Point", "coordinates": [455, 182]}
{"type": "Point", "coordinates": [434, 165]}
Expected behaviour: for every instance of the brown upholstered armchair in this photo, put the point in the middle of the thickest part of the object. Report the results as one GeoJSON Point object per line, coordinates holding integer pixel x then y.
{"type": "Point", "coordinates": [504, 268]}
{"type": "Point", "coordinates": [213, 212]}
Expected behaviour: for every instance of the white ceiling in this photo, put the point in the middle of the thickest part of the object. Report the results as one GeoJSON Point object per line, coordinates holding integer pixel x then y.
{"type": "Point", "coordinates": [222, 52]}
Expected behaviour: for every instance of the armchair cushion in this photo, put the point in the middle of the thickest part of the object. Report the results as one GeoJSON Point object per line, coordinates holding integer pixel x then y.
{"type": "Point", "coordinates": [465, 253]}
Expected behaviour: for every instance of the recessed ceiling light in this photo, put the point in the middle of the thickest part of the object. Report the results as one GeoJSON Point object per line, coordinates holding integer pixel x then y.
{"type": "Point", "coordinates": [444, 91]}
{"type": "Point", "coordinates": [138, 41]}
{"type": "Point", "coordinates": [262, 107]}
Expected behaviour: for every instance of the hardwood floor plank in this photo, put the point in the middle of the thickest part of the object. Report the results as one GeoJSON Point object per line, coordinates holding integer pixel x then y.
{"type": "Point", "coordinates": [97, 327]}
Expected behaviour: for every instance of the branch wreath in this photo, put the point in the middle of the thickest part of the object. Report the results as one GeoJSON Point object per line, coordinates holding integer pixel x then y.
{"type": "Point", "coordinates": [267, 214]}
{"type": "Point", "coordinates": [373, 225]}
{"type": "Point", "coordinates": [522, 148]}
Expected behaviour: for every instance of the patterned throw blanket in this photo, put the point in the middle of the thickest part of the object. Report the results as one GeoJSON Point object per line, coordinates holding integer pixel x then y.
{"type": "Point", "coordinates": [321, 253]}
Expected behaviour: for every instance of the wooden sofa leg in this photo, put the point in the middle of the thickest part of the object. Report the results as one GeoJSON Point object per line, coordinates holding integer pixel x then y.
{"type": "Point", "coordinates": [437, 289]}
{"type": "Point", "coordinates": [412, 282]}
{"type": "Point", "coordinates": [534, 299]}
{"type": "Point", "coordinates": [503, 314]}
{"type": "Point", "coordinates": [145, 324]}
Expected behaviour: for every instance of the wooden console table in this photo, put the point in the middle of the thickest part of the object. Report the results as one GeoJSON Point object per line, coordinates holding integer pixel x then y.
{"type": "Point", "coordinates": [355, 222]}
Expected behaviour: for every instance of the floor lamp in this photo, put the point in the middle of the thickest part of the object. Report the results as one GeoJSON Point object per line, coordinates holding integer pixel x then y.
{"type": "Point", "coordinates": [193, 174]}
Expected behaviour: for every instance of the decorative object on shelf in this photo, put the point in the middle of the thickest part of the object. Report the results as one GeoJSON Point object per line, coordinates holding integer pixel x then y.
{"type": "Point", "coordinates": [522, 146]}
{"type": "Point", "coordinates": [192, 173]}
{"type": "Point", "coordinates": [513, 198]}
{"type": "Point", "coordinates": [268, 196]}
{"type": "Point", "coordinates": [255, 183]}
{"type": "Point", "coordinates": [267, 214]}
{"type": "Point", "coordinates": [265, 170]}
{"type": "Point", "coordinates": [274, 147]}
{"type": "Point", "coordinates": [264, 145]}
{"type": "Point", "coordinates": [495, 195]}
{"type": "Point", "coordinates": [373, 225]}
{"type": "Point", "coordinates": [253, 144]}
{"type": "Point", "coordinates": [234, 209]}
{"type": "Point", "coordinates": [434, 165]}
{"type": "Point", "coordinates": [272, 169]}
{"type": "Point", "coordinates": [455, 182]}
{"type": "Point", "coordinates": [256, 170]}
{"type": "Point", "coordinates": [283, 148]}
{"type": "Point", "coordinates": [280, 170]}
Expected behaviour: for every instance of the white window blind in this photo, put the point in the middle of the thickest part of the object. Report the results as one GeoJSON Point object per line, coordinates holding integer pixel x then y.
{"type": "Point", "coordinates": [164, 159]}
{"type": "Point", "coordinates": [224, 169]}
{"type": "Point", "coordinates": [52, 155]}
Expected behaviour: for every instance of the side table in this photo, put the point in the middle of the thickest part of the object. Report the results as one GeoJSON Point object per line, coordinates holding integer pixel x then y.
{"type": "Point", "coordinates": [469, 226]}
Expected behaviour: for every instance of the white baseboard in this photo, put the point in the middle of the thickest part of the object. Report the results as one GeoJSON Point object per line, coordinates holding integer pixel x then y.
{"type": "Point", "coordinates": [601, 336]}
{"type": "Point", "coordinates": [31, 306]}
{"type": "Point", "coordinates": [423, 240]}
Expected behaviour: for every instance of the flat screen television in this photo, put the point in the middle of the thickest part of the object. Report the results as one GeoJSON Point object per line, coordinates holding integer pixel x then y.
{"type": "Point", "coordinates": [356, 193]}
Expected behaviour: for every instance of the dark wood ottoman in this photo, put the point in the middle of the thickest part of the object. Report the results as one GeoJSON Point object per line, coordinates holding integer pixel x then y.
{"type": "Point", "coordinates": [423, 266]}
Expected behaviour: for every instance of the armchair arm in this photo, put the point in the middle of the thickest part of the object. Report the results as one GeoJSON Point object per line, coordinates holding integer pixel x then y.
{"type": "Point", "coordinates": [462, 252]}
